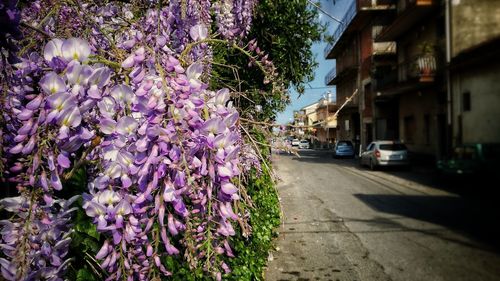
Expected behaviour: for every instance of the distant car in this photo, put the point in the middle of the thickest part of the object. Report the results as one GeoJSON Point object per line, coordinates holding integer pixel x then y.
{"type": "Point", "coordinates": [304, 144]}
{"type": "Point", "coordinates": [472, 159]}
{"type": "Point", "coordinates": [295, 142]}
{"type": "Point", "coordinates": [343, 148]}
{"type": "Point", "coordinates": [385, 153]}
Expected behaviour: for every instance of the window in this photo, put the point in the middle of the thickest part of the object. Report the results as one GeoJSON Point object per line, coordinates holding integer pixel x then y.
{"type": "Point", "coordinates": [466, 101]}
{"type": "Point", "coordinates": [344, 143]}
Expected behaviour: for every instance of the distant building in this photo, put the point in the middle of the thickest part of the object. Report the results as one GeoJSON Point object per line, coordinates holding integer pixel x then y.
{"type": "Point", "coordinates": [326, 127]}
{"type": "Point", "coordinates": [311, 117]}
{"type": "Point", "coordinates": [475, 71]}
{"type": "Point", "coordinates": [299, 118]}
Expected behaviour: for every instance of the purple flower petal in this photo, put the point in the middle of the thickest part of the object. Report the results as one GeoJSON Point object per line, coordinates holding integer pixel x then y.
{"type": "Point", "coordinates": [128, 62]}
{"type": "Point", "coordinates": [12, 204]}
{"type": "Point", "coordinates": [123, 208]}
{"type": "Point", "coordinates": [16, 149]}
{"type": "Point", "coordinates": [71, 117]}
{"type": "Point", "coordinates": [30, 145]}
{"type": "Point", "coordinates": [26, 128]}
{"type": "Point", "coordinates": [103, 252]}
{"type": "Point", "coordinates": [35, 103]}
{"type": "Point", "coordinates": [78, 74]}
{"type": "Point", "coordinates": [123, 94]}
{"type": "Point", "coordinates": [213, 126]}
{"type": "Point", "coordinates": [169, 193]}
{"type": "Point", "coordinates": [75, 49]}
{"type": "Point", "coordinates": [63, 161]}
{"type": "Point", "coordinates": [94, 209]}
{"type": "Point", "coordinates": [25, 114]}
{"type": "Point", "coordinates": [126, 181]}
{"type": "Point", "coordinates": [52, 83]}
{"type": "Point", "coordinates": [52, 49]}
{"type": "Point", "coordinates": [198, 32]}
{"type": "Point", "coordinates": [126, 125]}
{"type": "Point", "coordinates": [107, 126]}
{"type": "Point", "coordinates": [109, 197]}
{"type": "Point", "coordinates": [55, 182]}
{"type": "Point", "coordinates": [100, 77]}
{"type": "Point", "coordinates": [222, 96]}
{"type": "Point", "coordinates": [225, 171]}
{"type": "Point", "coordinates": [180, 207]}
{"type": "Point", "coordinates": [171, 225]}
{"type": "Point", "coordinates": [61, 101]}
{"type": "Point", "coordinates": [228, 188]}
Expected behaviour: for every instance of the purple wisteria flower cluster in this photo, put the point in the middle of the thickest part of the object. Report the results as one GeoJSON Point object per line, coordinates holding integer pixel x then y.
{"type": "Point", "coordinates": [162, 152]}
{"type": "Point", "coordinates": [48, 113]}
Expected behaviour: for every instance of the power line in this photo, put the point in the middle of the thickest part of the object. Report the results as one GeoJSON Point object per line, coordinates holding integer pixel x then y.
{"type": "Point", "coordinates": [317, 88]}
{"type": "Point", "coordinates": [324, 12]}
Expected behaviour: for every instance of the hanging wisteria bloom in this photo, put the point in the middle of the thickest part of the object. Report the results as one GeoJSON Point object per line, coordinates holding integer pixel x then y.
{"type": "Point", "coordinates": [121, 95]}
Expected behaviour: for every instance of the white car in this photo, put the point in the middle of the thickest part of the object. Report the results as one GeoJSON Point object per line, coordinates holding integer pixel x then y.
{"type": "Point", "coordinates": [304, 144]}
{"type": "Point", "coordinates": [295, 142]}
{"type": "Point", "coordinates": [384, 153]}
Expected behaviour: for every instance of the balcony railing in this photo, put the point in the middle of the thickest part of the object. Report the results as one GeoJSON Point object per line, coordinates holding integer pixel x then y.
{"type": "Point", "coordinates": [351, 12]}
{"type": "Point", "coordinates": [349, 15]}
{"type": "Point", "coordinates": [384, 48]}
{"type": "Point", "coordinates": [330, 75]}
{"type": "Point", "coordinates": [423, 68]}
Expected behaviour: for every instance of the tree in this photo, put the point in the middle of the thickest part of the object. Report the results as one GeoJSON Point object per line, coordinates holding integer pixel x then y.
{"type": "Point", "coordinates": [286, 30]}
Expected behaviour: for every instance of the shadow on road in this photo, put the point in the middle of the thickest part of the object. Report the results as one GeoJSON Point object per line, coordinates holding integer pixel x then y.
{"type": "Point", "coordinates": [475, 212]}
{"type": "Point", "coordinates": [423, 175]}
{"type": "Point", "coordinates": [473, 218]}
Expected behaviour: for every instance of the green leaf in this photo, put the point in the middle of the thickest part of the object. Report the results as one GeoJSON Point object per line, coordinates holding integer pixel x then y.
{"type": "Point", "coordinates": [84, 275]}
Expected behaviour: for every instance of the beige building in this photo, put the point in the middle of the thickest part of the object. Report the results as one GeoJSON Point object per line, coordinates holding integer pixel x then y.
{"type": "Point", "coordinates": [311, 116]}
{"type": "Point", "coordinates": [475, 71]}
{"type": "Point", "coordinates": [326, 128]}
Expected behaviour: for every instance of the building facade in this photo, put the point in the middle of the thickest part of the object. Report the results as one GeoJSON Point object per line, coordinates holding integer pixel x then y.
{"type": "Point", "coordinates": [475, 71]}
{"type": "Point", "coordinates": [410, 94]}
{"type": "Point", "coordinates": [356, 53]}
{"type": "Point", "coordinates": [326, 127]}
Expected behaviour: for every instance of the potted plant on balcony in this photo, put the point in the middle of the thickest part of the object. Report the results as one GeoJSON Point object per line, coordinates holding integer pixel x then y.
{"type": "Point", "coordinates": [426, 62]}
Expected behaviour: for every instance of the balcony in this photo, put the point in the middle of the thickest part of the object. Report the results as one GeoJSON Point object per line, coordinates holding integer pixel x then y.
{"type": "Point", "coordinates": [330, 76]}
{"type": "Point", "coordinates": [333, 77]}
{"type": "Point", "coordinates": [413, 74]}
{"type": "Point", "coordinates": [358, 14]}
{"type": "Point", "coordinates": [384, 48]}
{"type": "Point", "coordinates": [410, 13]}
{"type": "Point", "coordinates": [421, 69]}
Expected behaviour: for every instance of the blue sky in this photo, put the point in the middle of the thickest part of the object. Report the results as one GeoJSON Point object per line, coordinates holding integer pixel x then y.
{"type": "Point", "coordinates": [316, 88]}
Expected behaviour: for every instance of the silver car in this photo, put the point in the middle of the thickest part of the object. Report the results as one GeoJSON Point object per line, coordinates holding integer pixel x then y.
{"type": "Point", "coordinates": [304, 144]}
{"type": "Point", "coordinates": [384, 153]}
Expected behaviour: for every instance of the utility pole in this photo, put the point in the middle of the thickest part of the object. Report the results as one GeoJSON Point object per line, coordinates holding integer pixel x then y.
{"type": "Point", "coordinates": [327, 97]}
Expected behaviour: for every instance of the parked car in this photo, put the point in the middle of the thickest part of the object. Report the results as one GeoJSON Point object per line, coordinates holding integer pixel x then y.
{"type": "Point", "coordinates": [384, 153]}
{"type": "Point", "coordinates": [343, 148]}
{"type": "Point", "coordinates": [295, 142]}
{"type": "Point", "coordinates": [472, 159]}
{"type": "Point", "coordinates": [304, 144]}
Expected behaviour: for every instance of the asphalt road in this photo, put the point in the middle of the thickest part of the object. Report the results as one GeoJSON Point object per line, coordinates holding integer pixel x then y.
{"type": "Point", "coordinates": [343, 222]}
